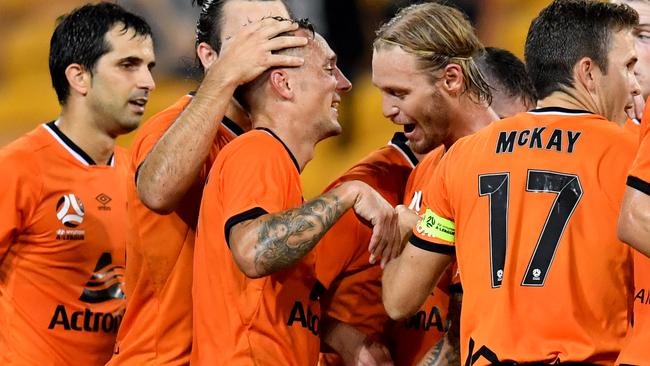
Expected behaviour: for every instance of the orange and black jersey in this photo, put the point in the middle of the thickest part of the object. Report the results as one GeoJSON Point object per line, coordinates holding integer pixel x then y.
{"type": "Point", "coordinates": [529, 206]}
{"type": "Point", "coordinates": [635, 351]}
{"type": "Point", "coordinates": [273, 320]}
{"type": "Point", "coordinates": [157, 327]}
{"type": "Point", "coordinates": [62, 247]}
{"type": "Point", "coordinates": [353, 285]}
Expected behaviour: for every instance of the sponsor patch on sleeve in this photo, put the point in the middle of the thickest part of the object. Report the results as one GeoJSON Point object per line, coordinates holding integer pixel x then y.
{"type": "Point", "coordinates": [435, 226]}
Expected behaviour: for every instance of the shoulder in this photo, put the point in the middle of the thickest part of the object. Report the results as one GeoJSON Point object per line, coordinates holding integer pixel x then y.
{"type": "Point", "coordinates": [160, 122]}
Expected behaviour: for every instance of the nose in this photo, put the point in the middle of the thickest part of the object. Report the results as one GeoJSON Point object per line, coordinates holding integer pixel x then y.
{"type": "Point", "coordinates": [342, 83]}
{"type": "Point", "coordinates": [387, 107]}
{"type": "Point", "coordinates": [145, 80]}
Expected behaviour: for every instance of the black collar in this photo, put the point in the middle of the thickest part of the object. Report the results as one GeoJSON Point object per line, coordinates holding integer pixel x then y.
{"type": "Point", "coordinates": [293, 158]}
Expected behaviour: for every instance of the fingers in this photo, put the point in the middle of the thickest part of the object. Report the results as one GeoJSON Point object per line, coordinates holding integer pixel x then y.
{"type": "Point", "coordinates": [282, 42]}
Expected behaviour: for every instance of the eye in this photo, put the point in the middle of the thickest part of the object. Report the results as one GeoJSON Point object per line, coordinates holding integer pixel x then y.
{"type": "Point", "coordinates": [330, 70]}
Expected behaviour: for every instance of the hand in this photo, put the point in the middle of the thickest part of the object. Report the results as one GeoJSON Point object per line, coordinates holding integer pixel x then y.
{"type": "Point", "coordinates": [407, 219]}
{"type": "Point", "coordinates": [372, 207]}
{"type": "Point", "coordinates": [248, 53]}
{"type": "Point", "coordinates": [373, 354]}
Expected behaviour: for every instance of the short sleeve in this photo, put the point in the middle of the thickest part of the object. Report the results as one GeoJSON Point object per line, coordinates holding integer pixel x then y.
{"type": "Point", "coordinates": [639, 175]}
{"type": "Point", "coordinates": [436, 229]}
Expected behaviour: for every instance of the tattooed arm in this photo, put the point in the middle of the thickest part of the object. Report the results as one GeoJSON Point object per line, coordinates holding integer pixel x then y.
{"type": "Point", "coordinates": [447, 351]}
{"type": "Point", "coordinates": [275, 241]}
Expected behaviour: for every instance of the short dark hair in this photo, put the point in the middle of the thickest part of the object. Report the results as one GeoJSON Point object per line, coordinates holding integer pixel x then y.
{"type": "Point", "coordinates": [504, 71]}
{"type": "Point", "coordinates": [568, 30]}
{"type": "Point", "coordinates": [208, 27]}
{"type": "Point", "coordinates": [79, 38]}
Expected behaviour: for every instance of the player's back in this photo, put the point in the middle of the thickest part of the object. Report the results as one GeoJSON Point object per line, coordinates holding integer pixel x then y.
{"type": "Point", "coordinates": [535, 200]}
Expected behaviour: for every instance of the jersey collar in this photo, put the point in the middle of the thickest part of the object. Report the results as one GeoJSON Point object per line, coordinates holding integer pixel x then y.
{"type": "Point", "coordinates": [71, 147]}
{"type": "Point", "coordinates": [399, 142]}
{"type": "Point", "coordinates": [293, 158]}
{"type": "Point", "coordinates": [559, 111]}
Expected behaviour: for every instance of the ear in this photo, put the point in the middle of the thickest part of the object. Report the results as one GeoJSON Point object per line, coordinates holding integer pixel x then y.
{"type": "Point", "coordinates": [586, 73]}
{"type": "Point", "coordinates": [78, 78]}
{"type": "Point", "coordinates": [453, 79]}
{"type": "Point", "coordinates": [206, 54]}
{"type": "Point", "coordinates": [281, 85]}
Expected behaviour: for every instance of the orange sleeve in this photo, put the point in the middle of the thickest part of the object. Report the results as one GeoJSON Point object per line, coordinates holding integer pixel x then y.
{"type": "Point", "coordinates": [21, 189]}
{"type": "Point", "coordinates": [255, 180]}
{"type": "Point", "coordinates": [436, 230]}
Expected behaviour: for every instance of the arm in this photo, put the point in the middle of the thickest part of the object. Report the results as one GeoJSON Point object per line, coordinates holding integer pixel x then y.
{"type": "Point", "coordinates": [275, 241]}
{"type": "Point", "coordinates": [353, 345]}
{"type": "Point", "coordinates": [175, 161]}
{"type": "Point", "coordinates": [447, 351]}
{"type": "Point", "coordinates": [634, 220]}
{"type": "Point", "coordinates": [409, 279]}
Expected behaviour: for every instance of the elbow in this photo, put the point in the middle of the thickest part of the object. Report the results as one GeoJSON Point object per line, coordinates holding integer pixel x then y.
{"type": "Point", "coordinates": [395, 310]}
{"type": "Point", "coordinates": [246, 264]}
{"type": "Point", "coordinates": [157, 203]}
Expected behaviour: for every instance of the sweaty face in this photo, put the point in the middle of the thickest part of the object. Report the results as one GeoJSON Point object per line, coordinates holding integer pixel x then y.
{"type": "Point", "coordinates": [318, 85]}
{"type": "Point", "coordinates": [410, 99]}
{"type": "Point", "coordinates": [616, 88]}
{"type": "Point", "coordinates": [121, 81]}
{"type": "Point", "coordinates": [238, 13]}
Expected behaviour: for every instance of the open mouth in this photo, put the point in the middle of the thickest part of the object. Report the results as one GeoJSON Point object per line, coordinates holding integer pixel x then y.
{"type": "Point", "coordinates": [409, 127]}
{"type": "Point", "coordinates": [139, 103]}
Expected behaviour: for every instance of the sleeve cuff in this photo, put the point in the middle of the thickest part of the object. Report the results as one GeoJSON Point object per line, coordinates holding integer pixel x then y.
{"type": "Point", "coordinates": [251, 214]}
{"type": "Point", "coordinates": [432, 247]}
{"type": "Point", "coordinates": [638, 184]}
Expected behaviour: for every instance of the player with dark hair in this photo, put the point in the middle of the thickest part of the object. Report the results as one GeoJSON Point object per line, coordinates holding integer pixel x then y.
{"type": "Point", "coordinates": [514, 204]}
{"type": "Point", "coordinates": [63, 202]}
{"type": "Point", "coordinates": [512, 91]}
{"type": "Point", "coordinates": [171, 156]}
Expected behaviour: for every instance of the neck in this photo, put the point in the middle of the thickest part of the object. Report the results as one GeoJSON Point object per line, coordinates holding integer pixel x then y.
{"type": "Point", "coordinates": [86, 134]}
{"type": "Point", "coordinates": [297, 139]}
{"type": "Point", "coordinates": [469, 118]}
{"type": "Point", "coordinates": [237, 114]}
{"type": "Point", "coordinates": [569, 99]}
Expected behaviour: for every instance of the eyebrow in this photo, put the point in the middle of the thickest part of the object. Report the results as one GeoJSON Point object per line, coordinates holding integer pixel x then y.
{"type": "Point", "coordinates": [136, 60]}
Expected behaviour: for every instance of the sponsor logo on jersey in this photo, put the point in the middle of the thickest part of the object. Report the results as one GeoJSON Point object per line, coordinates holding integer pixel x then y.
{"type": "Point", "coordinates": [70, 210]}
{"type": "Point", "coordinates": [306, 319]}
{"type": "Point", "coordinates": [416, 202]}
{"type": "Point", "coordinates": [105, 284]}
{"type": "Point", "coordinates": [423, 320]}
{"type": "Point", "coordinates": [103, 200]}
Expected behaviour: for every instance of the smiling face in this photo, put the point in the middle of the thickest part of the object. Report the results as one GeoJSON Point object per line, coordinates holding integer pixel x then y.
{"type": "Point", "coordinates": [410, 99]}
{"type": "Point", "coordinates": [121, 80]}
{"type": "Point", "coordinates": [318, 87]}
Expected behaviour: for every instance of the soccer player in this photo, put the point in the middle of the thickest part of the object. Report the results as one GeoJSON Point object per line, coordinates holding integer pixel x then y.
{"type": "Point", "coordinates": [255, 292]}
{"type": "Point", "coordinates": [402, 71]}
{"type": "Point", "coordinates": [63, 202]}
{"type": "Point", "coordinates": [515, 204]}
{"type": "Point", "coordinates": [171, 156]}
{"type": "Point", "coordinates": [512, 90]}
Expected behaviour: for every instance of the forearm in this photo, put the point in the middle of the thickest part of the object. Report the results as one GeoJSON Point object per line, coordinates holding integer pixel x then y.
{"type": "Point", "coordinates": [343, 338]}
{"type": "Point", "coordinates": [175, 161]}
{"type": "Point", "coordinates": [447, 351]}
{"type": "Point", "coordinates": [276, 241]}
{"type": "Point", "coordinates": [634, 220]}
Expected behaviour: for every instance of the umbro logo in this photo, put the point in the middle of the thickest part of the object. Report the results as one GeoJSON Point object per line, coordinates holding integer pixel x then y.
{"type": "Point", "coordinates": [106, 282]}
{"type": "Point", "coordinates": [103, 200]}
{"type": "Point", "coordinates": [70, 210]}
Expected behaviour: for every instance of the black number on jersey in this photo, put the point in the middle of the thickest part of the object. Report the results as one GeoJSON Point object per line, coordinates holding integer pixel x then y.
{"type": "Point", "coordinates": [568, 192]}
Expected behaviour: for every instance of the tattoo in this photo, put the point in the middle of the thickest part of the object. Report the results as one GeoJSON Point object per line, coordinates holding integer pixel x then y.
{"type": "Point", "coordinates": [286, 237]}
{"type": "Point", "coordinates": [433, 356]}
{"type": "Point", "coordinates": [447, 350]}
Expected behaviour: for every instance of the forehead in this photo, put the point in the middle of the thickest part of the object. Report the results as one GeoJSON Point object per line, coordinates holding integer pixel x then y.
{"type": "Point", "coordinates": [319, 49]}
{"type": "Point", "coordinates": [622, 46]}
{"type": "Point", "coordinates": [642, 7]}
{"type": "Point", "coordinates": [393, 67]}
{"type": "Point", "coordinates": [237, 13]}
{"type": "Point", "coordinates": [129, 44]}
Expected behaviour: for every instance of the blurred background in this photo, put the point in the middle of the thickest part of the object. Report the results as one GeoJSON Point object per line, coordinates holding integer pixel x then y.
{"type": "Point", "coordinates": [27, 99]}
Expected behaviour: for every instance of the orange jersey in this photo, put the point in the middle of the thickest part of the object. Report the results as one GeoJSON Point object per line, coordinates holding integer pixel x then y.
{"type": "Point", "coordinates": [633, 125]}
{"type": "Point", "coordinates": [412, 338]}
{"type": "Point", "coordinates": [529, 205]}
{"type": "Point", "coordinates": [273, 320]}
{"type": "Point", "coordinates": [157, 328]}
{"type": "Point", "coordinates": [635, 351]}
{"type": "Point", "coordinates": [62, 242]}
{"type": "Point", "coordinates": [353, 285]}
